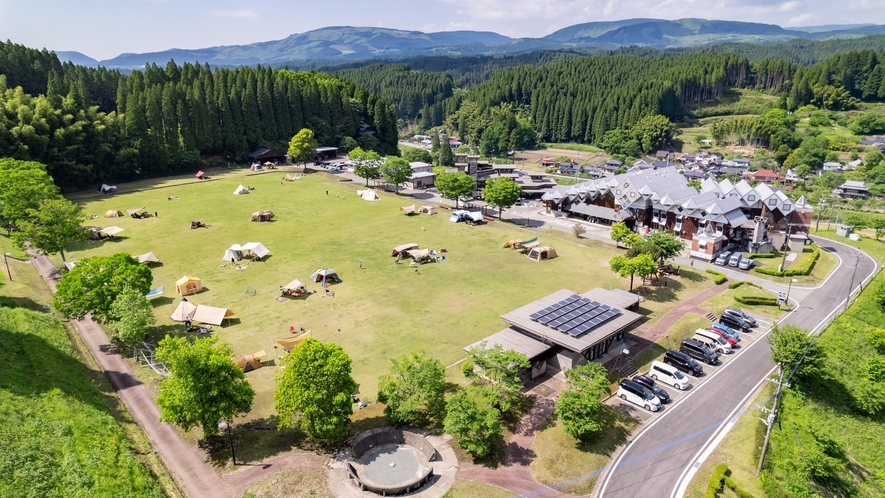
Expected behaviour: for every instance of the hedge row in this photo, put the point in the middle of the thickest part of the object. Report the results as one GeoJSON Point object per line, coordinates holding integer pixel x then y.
{"type": "Point", "coordinates": [720, 277]}
{"type": "Point", "coordinates": [761, 256]}
{"type": "Point", "coordinates": [756, 300]}
{"type": "Point", "coordinates": [802, 270]}
{"type": "Point", "coordinates": [718, 479]}
{"type": "Point", "coordinates": [735, 285]}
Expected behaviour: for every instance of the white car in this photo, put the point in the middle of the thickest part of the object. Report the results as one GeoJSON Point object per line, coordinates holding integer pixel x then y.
{"type": "Point", "coordinates": [745, 264]}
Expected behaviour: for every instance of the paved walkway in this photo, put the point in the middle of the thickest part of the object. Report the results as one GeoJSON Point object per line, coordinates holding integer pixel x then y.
{"type": "Point", "coordinates": [193, 474]}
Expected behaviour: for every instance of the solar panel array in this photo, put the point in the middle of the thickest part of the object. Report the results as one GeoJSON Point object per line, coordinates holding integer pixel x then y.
{"type": "Point", "coordinates": [575, 315]}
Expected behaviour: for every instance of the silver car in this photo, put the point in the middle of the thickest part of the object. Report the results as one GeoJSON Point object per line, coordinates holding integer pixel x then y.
{"type": "Point", "coordinates": [745, 264]}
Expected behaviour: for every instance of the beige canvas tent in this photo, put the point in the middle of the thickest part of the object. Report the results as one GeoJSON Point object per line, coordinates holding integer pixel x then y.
{"type": "Point", "coordinates": [110, 231]}
{"type": "Point", "coordinates": [131, 212]}
{"type": "Point", "coordinates": [184, 311]}
{"type": "Point", "coordinates": [541, 253]}
{"type": "Point", "coordinates": [113, 213]}
{"type": "Point", "coordinates": [289, 343]}
{"type": "Point", "coordinates": [241, 190]}
{"type": "Point", "coordinates": [148, 258]}
{"type": "Point", "coordinates": [513, 243]}
{"type": "Point", "coordinates": [522, 245]}
{"type": "Point", "coordinates": [430, 210]}
{"type": "Point", "coordinates": [255, 249]}
{"type": "Point", "coordinates": [409, 210]}
{"type": "Point", "coordinates": [262, 216]}
{"type": "Point", "coordinates": [421, 256]}
{"type": "Point", "coordinates": [326, 274]}
{"type": "Point", "coordinates": [188, 285]}
{"type": "Point", "coordinates": [294, 288]}
{"type": "Point", "coordinates": [249, 362]}
{"type": "Point", "coordinates": [212, 315]}
{"type": "Point", "coordinates": [401, 250]}
{"type": "Point", "coordinates": [234, 252]}
{"type": "Point", "coordinates": [368, 195]}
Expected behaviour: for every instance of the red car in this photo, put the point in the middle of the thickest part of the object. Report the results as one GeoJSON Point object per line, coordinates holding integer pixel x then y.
{"type": "Point", "coordinates": [730, 340]}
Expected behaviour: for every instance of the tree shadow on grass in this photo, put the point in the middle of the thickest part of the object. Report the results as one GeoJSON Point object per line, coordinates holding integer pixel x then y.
{"type": "Point", "coordinates": [23, 302]}
{"type": "Point", "coordinates": [254, 442]}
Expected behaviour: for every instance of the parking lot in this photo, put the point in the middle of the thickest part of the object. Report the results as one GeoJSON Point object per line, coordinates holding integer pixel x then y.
{"type": "Point", "coordinates": [643, 415]}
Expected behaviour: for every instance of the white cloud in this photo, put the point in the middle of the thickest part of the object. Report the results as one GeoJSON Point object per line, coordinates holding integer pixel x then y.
{"type": "Point", "coordinates": [789, 6]}
{"type": "Point", "coordinates": [803, 19]}
{"type": "Point", "coordinates": [235, 13]}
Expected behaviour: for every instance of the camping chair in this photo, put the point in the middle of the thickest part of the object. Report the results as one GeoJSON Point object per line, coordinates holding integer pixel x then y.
{"type": "Point", "coordinates": [250, 291]}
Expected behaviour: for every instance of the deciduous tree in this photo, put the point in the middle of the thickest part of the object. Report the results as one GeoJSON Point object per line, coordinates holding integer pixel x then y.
{"type": "Point", "coordinates": [623, 236]}
{"type": "Point", "coordinates": [415, 154]}
{"type": "Point", "coordinates": [789, 345]}
{"type": "Point", "coordinates": [23, 184]}
{"type": "Point", "coordinates": [366, 164]}
{"type": "Point", "coordinates": [94, 283]}
{"type": "Point", "coordinates": [502, 192]}
{"type": "Point", "coordinates": [396, 170]}
{"type": "Point", "coordinates": [455, 185]}
{"type": "Point", "coordinates": [130, 316]}
{"type": "Point", "coordinates": [52, 226]}
{"type": "Point", "coordinates": [642, 265]}
{"type": "Point", "coordinates": [303, 146]}
{"type": "Point", "coordinates": [413, 390]}
{"type": "Point", "coordinates": [499, 373]}
{"type": "Point", "coordinates": [314, 391]}
{"type": "Point", "coordinates": [578, 406]}
{"type": "Point", "coordinates": [475, 423]}
{"type": "Point", "coordinates": [204, 386]}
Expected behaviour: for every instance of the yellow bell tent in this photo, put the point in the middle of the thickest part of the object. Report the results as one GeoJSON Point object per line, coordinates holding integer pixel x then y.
{"type": "Point", "coordinates": [188, 285]}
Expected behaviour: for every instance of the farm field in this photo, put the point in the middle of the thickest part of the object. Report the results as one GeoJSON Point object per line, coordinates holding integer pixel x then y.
{"type": "Point", "coordinates": [379, 311]}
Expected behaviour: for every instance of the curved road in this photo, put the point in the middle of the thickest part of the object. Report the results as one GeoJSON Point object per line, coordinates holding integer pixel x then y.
{"type": "Point", "coordinates": [659, 458]}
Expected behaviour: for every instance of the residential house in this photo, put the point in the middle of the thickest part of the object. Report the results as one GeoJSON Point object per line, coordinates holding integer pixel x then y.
{"type": "Point", "coordinates": [853, 165]}
{"type": "Point", "coordinates": [765, 175]}
{"type": "Point", "coordinates": [612, 165]}
{"type": "Point", "coordinates": [832, 166]}
{"type": "Point", "coordinates": [853, 190]}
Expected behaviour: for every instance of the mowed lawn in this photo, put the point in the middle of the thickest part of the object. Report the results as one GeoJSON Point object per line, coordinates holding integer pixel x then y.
{"type": "Point", "coordinates": [380, 311]}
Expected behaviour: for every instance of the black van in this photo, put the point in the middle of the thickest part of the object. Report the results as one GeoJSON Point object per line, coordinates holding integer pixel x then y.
{"type": "Point", "coordinates": [700, 351]}
{"type": "Point", "coordinates": [683, 362]}
{"type": "Point", "coordinates": [734, 322]}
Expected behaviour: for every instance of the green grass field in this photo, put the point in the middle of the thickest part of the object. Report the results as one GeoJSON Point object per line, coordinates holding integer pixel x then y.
{"type": "Point", "coordinates": [378, 312]}
{"type": "Point", "coordinates": [472, 489]}
{"type": "Point", "coordinates": [719, 302]}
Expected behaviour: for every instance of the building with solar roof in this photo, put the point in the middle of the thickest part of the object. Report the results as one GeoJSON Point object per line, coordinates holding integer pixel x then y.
{"type": "Point", "coordinates": [567, 329]}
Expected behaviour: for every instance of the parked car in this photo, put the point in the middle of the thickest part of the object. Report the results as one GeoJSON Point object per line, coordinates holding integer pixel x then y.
{"type": "Point", "coordinates": [713, 341]}
{"type": "Point", "coordinates": [683, 362]}
{"type": "Point", "coordinates": [722, 335]}
{"type": "Point", "coordinates": [657, 390]}
{"type": "Point", "coordinates": [668, 374]}
{"type": "Point", "coordinates": [742, 315]}
{"type": "Point", "coordinates": [722, 259]}
{"type": "Point", "coordinates": [638, 394]}
{"type": "Point", "coordinates": [734, 322]}
{"type": "Point", "coordinates": [730, 333]}
{"type": "Point", "coordinates": [745, 264]}
{"type": "Point", "coordinates": [699, 351]}
{"type": "Point", "coordinates": [734, 259]}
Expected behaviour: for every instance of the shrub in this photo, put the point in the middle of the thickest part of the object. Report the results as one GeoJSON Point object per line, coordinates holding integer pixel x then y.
{"type": "Point", "coordinates": [756, 300]}
{"type": "Point", "coordinates": [467, 369]}
{"type": "Point", "coordinates": [720, 277]}
{"type": "Point", "coordinates": [718, 479]}
{"type": "Point", "coordinates": [735, 285]}
{"type": "Point", "coordinates": [762, 256]}
{"type": "Point", "coordinates": [578, 229]}
{"type": "Point", "coordinates": [802, 270]}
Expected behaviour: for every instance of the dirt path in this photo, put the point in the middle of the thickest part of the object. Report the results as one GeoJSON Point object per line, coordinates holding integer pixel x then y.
{"type": "Point", "coordinates": [241, 480]}
{"type": "Point", "coordinates": [193, 474]}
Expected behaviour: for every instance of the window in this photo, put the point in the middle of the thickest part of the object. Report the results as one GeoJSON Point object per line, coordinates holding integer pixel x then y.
{"type": "Point", "coordinates": [751, 198]}
{"type": "Point", "coordinates": [702, 245]}
{"type": "Point", "coordinates": [772, 202]}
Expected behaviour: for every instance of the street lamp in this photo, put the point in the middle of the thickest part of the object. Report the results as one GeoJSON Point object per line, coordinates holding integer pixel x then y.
{"type": "Point", "coordinates": [224, 425]}
{"type": "Point", "coordinates": [789, 288]}
{"type": "Point", "coordinates": [623, 353]}
{"type": "Point", "coordinates": [5, 260]}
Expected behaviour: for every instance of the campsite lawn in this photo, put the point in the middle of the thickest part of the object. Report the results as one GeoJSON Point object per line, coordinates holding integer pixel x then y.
{"type": "Point", "coordinates": [379, 311]}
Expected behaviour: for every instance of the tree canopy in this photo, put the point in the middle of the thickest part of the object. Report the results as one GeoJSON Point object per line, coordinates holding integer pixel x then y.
{"type": "Point", "coordinates": [502, 192]}
{"type": "Point", "coordinates": [413, 390]}
{"type": "Point", "coordinates": [498, 371]}
{"type": "Point", "coordinates": [23, 185]}
{"type": "Point", "coordinates": [366, 164]}
{"type": "Point", "coordinates": [446, 157]}
{"type": "Point", "coordinates": [204, 386]}
{"type": "Point", "coordinates": [578, 406]}
{"type": "Point", "coordinates": [455, 185]}
{"type": "Point", "coordinates": [396, 170]}
{"type": "Point", "coordinates": [52, 226]}
{"type": "Point", "coordinates": [476, 424]}
{"type": "Point", "coordinates": [303, 146]}
{"type": "Point", "coordinates": [130, 316]}
{"type": "Point", "coordinates": [313, 392]}
{"type": "Point", "coordinates": [642, 265]}
{"type": "Point", "coordinates": [791, 344]}
{"type": "Point", "coordinates": [415, 154]}
{"type": "Point", "coordinates": [94, 283]}
{"type": "Point", "coordinates": [624, 237]}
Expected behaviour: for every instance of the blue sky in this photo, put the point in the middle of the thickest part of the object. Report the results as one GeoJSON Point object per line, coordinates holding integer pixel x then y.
{"type": "Point", "coordinates": [105, 28]}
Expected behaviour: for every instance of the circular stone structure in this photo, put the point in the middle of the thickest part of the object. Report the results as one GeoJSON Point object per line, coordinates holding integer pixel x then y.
{"type": "Point", "coordinates": [391, 461]}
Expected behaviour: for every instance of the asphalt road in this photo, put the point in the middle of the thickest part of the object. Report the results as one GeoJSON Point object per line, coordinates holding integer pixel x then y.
{"type": "Point", "coordinates": [659, 458]}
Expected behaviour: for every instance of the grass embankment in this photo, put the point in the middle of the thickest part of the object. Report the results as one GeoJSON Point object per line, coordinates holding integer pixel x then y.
{"type": "Point", "coordinates": [672, 338]}
{"type": "Point", "coordinates": [825, 263]}
{"type": "Point", "coordinates": [58, 435]}
{"type": "Point", "coordinates": [560, 457]}
{"type": "Point", "coordinates": [823, 444]}
{"type": "Point", "coordinates": [298, 483]}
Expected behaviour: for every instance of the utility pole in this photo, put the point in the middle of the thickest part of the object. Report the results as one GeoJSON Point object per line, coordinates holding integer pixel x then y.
{"type": "Point", "coordinates": [769, 422]}
{"type": "Point", "coordinates": [851, 282]}
{"type": "Point", "coordinates": [786, 247]}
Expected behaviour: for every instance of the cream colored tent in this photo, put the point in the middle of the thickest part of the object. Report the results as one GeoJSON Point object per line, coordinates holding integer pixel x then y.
{"type": "Point", "coordinates": [513, 244]}
{"type": "Point", "coordinates": [109, 231]}
{"type": "Point", "coordinates": [255, 249]}
{"type": "Point", "coordinates": [184, 311]}
{"type": "Point", "coordinates": [421, 256]}
{"type": "Point", "coordinates": [188, 285]}
{"type": "Point", "coordinates": [368, 195]}
{"type": "Point", "coordinates": [262, 216]}
{"type": "Point", "coordinates": [249, 362]}
{"type": "Point", "coordinates": [241, 190]}
{"type": "Point", "coordinates": [402, 249]}
{"type": "Point", "coordinates": [234, 252]}
{"type": "Point", "coordinates": [148, 258]}
{"type": "Point", "coordinates": [295, 288]}
{"type": "Point", "coordinates": [289, 343]}
{"type": "Point", "coordinates": [212, 315]}
{"type": "Point", "coordinates": [130, 212]}
{"type": "Point", "coordinates": [409, 209]}
{"type": "Point", "coordinates": [427, 210]}
{"type": "Point", "coordinates": [326, 274]}
{"type": "Point", "coordinates": [541, 253]}
{"type": "Point", "coordinates": [113, 213]}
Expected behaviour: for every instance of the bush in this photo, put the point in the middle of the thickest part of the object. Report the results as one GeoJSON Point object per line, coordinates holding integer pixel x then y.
{"type": "Point", "coordinates": [467, 369]}
{"type": "Point", "coordinates": [756, 300]}
{"type": "Point", "coordinates": [735, 285]}
{"type": "Point", "coordinates": [718, 479]}
{"type": "Point", "coordinates": [720, 277]}
{"type": "Point", "coordinates": [802, 270]}
{"type": "Point", "coordinates": [762, 256]}
{"type": "Point", "coordinates": [578, 229]}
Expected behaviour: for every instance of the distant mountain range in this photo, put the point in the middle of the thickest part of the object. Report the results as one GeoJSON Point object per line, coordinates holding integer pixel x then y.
{"type": "Point", "coordinates": [348, 44]}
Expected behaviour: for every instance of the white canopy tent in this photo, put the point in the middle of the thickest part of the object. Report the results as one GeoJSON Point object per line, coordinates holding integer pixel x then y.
{"type": "Point", "coordinates": [234, 252]}
{"type": "Point", "coordinates": [212, 315]}
{"type": "Point", "coordinates": [111, 231]}
{"type": "Point", "coordinates": [241, 190]}
{"type": "Point", "coordinates": [256, 248]}
{"type": "Point", "coordinates": [148, 258]}
{"type": "Point", "coordinates": [184, 311]}
{"type": "Point", "coordinates": [368, 195]}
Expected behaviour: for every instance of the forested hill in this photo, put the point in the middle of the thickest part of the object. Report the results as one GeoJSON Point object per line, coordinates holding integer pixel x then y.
{"type": "Point", "coordinates": [90, 125]}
